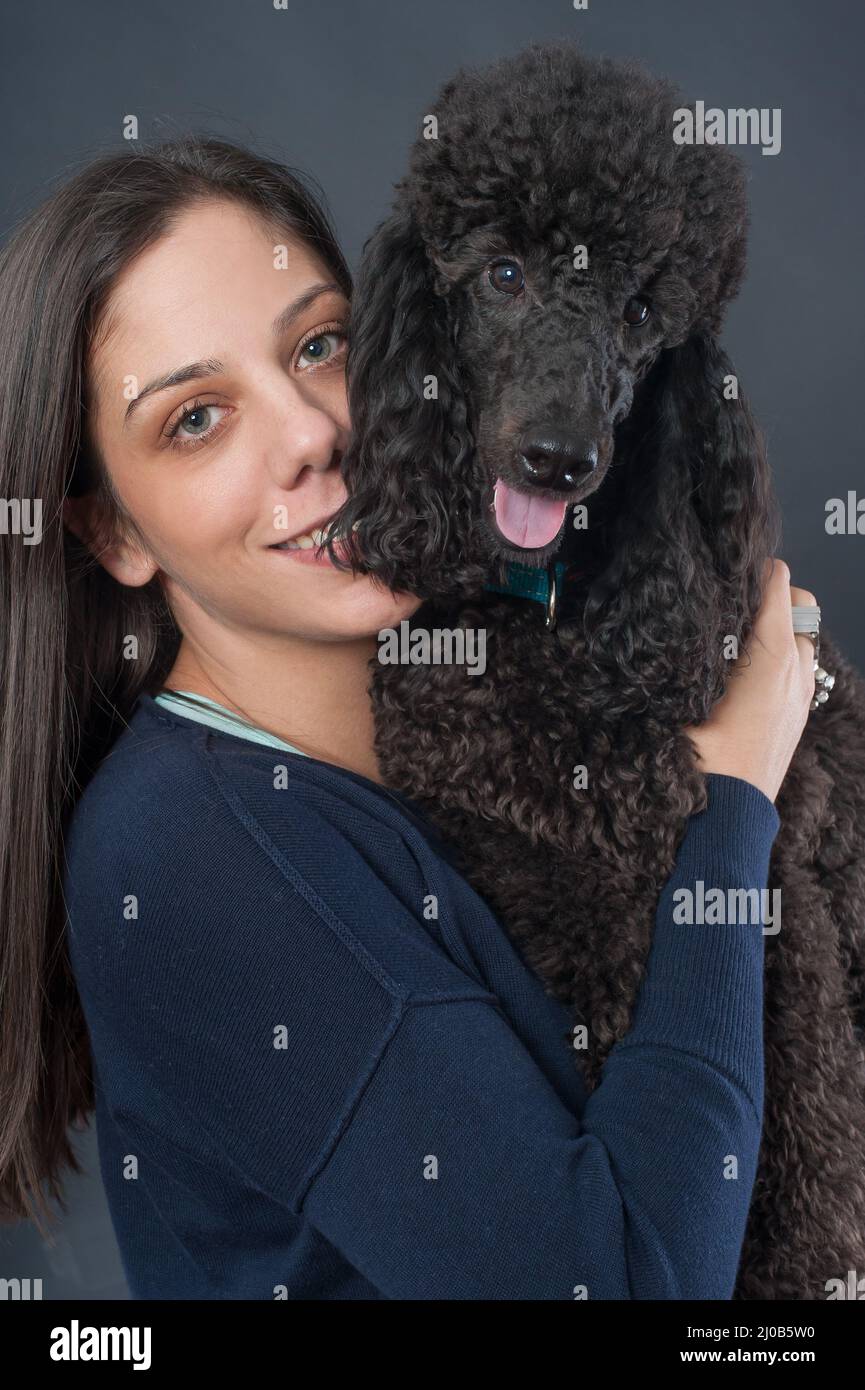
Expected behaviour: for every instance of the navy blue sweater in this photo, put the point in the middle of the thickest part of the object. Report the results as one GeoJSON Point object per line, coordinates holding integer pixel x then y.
{"type": "Point", "coordinates": [311, 1086]}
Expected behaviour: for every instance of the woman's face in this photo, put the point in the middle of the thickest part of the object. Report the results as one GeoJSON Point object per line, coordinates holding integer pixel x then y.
{"type": "Point", "coordinates": [244, 452]}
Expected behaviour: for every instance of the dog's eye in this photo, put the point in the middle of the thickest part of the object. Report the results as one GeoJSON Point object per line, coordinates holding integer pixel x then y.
{"type": "Point", "coordinates": [637, 310]}
{"type": "Point", "coordinates": [506, 277]}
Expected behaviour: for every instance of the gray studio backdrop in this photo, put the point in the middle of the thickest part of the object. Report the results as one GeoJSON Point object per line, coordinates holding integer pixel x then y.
{"type": "Point", "coordinates": [339, 88]}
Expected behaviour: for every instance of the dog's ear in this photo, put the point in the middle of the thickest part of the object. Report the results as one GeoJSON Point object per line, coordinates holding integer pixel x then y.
{"type": "Point", "coordinates": [706, 420]}
{"type": "Point", "coordinates": [407, 465]}
{"type": "Point", "coordinates": [694, 523]}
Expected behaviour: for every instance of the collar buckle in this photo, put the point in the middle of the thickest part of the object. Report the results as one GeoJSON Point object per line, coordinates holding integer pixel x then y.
{"type": "Point", "coordinates": [541, 585]}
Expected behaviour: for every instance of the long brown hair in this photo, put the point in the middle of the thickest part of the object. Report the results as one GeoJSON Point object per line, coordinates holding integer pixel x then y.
{"type": "Point", "coordinates": [66, 689]}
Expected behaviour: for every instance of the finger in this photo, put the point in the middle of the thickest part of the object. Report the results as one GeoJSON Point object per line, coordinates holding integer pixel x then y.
{"type": "Point", "coordinates": [773, 624]}
{"type": "Point", "coordinates": [803, 598]}
{"type": "Point", "coordinates": [806, 649]}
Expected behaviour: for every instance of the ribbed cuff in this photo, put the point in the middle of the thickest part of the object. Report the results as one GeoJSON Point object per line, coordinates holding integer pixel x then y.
{"type": "Point", "coordinates": [703, 989]}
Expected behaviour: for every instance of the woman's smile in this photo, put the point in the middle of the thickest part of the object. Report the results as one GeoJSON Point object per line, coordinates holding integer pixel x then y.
{"type": "Point", "coordinates": [305, 546]}
{"type": "Point", "coordinates": [307, 551]}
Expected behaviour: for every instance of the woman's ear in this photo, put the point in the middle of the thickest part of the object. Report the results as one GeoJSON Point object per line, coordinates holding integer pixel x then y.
{"type": "Point", "coordinates": [85, 517]}
{"type": "Point", "coordinates": [411, 443]}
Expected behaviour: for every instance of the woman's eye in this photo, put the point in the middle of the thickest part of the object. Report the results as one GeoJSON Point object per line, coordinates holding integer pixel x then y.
{"type": "Point", "coordinates": [196, 422]}
{"type": "Point", "coordinates": [637, 310]}
{"type": "Point", "coordinates": [322, 347]}
{"type": "Point", "coordinates": [506, 277]}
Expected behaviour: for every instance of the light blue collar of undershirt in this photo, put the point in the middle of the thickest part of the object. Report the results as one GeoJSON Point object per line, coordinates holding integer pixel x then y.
{"type": "Point", "coordinates": [218, 717]}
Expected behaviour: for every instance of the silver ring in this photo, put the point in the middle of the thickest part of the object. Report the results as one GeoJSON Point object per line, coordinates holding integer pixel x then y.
{"type": "Point", "coordinates": [824, 682]}
{"type": "Point", "coordinates": [806, 618]}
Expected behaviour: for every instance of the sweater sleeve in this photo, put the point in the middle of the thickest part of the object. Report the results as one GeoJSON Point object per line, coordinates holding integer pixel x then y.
{"type": "Point", "coordinates": [461, 1175]}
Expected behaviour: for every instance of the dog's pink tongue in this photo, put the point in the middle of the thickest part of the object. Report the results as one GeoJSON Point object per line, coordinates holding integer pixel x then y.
{"type": "Point", "coordinates": [527, 521]}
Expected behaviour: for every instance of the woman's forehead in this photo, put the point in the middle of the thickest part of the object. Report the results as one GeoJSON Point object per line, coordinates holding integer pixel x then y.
{"type": "Point", "coordinates": [217, 276]}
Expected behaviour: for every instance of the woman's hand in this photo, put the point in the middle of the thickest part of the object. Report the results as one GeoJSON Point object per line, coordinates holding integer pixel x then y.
{"type": "Point", "coordinates": [753, 730]}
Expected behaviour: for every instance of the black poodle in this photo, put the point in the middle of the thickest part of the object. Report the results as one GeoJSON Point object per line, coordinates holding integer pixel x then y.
{"type": "Point", "coordinates": [536, 326]}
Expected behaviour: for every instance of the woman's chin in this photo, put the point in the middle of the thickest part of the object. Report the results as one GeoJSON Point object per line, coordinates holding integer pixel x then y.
{"type": "Point", "coordinates": [362, 609]}
{"type": "Point", "coordinates": [380, 608]}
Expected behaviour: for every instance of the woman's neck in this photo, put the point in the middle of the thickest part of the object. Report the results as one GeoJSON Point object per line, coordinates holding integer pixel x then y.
{"type": "Point", "coordinates": [311, 694]}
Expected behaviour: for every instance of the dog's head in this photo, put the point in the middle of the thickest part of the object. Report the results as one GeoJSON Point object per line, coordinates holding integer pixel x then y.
{"type": "Point", "coordinates": [538, 315]}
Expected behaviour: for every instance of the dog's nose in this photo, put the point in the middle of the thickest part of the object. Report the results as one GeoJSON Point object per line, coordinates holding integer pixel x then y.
{"type": "Point", "coordinates": [556, 458]}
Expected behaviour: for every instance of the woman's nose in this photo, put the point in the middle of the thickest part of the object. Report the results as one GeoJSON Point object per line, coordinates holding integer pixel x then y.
{"type": "Point", "coordinates": [305, 436]}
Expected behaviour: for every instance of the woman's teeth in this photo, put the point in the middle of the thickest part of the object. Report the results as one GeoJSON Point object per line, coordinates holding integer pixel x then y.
{"type": "Point", "coordinates": [306, 541]}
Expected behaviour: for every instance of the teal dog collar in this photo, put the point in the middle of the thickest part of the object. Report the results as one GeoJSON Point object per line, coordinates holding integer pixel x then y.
{"type": "Point", "coordinates": [530, 581]}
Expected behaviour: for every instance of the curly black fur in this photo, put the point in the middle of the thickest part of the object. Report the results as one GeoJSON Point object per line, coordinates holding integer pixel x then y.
{"type": "Point", "coordinates": [535, 156]}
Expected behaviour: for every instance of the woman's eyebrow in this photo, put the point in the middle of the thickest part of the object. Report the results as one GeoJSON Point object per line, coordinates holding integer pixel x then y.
{"type": "Point", "coordinates": [301, 304]}
{"type": "Point", "coordinates": [192, 372]}
{"type": "Point", "coordinates": [195, 371]}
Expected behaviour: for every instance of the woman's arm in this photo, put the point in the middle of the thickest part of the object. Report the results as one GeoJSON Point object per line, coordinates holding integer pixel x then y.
{"type": "Point", "coordinates": [461, 1175]}
{"type": "Point", "coordinates": [647, 1196]}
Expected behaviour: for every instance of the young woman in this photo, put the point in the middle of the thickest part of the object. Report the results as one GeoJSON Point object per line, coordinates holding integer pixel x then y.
{"type": "Point", "coordinates": [319, 1068]}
